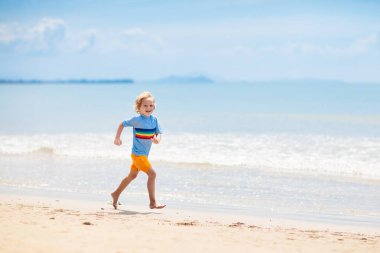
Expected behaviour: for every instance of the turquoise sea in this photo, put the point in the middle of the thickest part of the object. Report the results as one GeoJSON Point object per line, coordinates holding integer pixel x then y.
{"type": "Point", "coordinates": [301, 149]}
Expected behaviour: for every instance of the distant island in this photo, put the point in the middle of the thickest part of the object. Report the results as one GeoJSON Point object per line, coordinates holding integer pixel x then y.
{"type": "Point", "coordinates": [184, 79]}
{"type": "Point", "coordinates": [174, 79]}
{"type": "Point", "coordinates": [66, 81]}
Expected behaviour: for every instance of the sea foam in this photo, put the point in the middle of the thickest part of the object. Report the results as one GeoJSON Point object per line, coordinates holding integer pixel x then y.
{"type": "Point", "coordinates": [279, 153]}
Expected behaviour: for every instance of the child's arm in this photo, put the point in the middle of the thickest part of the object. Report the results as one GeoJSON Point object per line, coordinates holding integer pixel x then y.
{"type": "Point", "coordinates": [117, 140]}
{"type": "Point", "coordinates": [156, 139]}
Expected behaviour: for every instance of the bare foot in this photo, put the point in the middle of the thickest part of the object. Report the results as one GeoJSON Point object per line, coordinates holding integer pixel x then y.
{"type": "Point", "coordinates": [156, 206]}
{"type": "Point", "coordinates": [115, 198]}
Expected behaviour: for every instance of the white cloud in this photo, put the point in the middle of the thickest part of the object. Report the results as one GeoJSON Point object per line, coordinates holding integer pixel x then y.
{"type": "Point", "coordinates": [364, 45]}
{"type": "Point", "coordinates": [7, 34]}
{"type": "Point", "coordinates": [47, 34]}
{"type": "Point", "coordinates": [358, 47]}
{"type": "Point", "coordinates": [134, 32]}
{"type": "Point", "coordinates": [236, 51]}
{"type": "Point", "coordinates": [88, 41]}
{"type": "Point", "coordinates": [53, 35]}
{"type": "Point", "coordinates": [42, 37]}
{"type": "Point", "coordinates": [138, 41]}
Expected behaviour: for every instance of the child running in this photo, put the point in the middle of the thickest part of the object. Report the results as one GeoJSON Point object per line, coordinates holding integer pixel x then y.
{"type": "Point", "coordinates": [146, 131]}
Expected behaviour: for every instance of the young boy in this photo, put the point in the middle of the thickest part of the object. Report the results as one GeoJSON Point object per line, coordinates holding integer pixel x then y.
{"type": "Point", "coordinates": [146, 131]}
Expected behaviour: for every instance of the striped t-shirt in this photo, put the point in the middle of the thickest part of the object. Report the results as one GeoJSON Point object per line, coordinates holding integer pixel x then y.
{"type": "Point", "coordinates": [144, 128]}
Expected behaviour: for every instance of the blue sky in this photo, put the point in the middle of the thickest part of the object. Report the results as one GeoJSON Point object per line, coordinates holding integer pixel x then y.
{"type": "Point", "coordinates": [226, 40]}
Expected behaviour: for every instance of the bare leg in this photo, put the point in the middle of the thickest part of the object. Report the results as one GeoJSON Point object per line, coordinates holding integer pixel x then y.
{"type": "Point", "coordinates": [124, 183]}
{"type": "Point", "coordinates": [152, 190]}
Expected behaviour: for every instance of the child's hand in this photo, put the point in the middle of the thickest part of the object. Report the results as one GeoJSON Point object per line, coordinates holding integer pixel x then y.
{"type": "Point", "coordinates": [117, 142]}
{"type": "Point", "coordinates": [155, 140]}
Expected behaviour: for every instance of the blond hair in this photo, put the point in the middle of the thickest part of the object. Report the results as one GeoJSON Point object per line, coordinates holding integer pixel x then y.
{"type": "Point", "coordinates": [140, 98]}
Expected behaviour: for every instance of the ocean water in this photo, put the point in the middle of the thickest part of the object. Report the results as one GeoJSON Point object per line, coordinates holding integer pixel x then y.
{"type": "Point", "coordinates": [301, 150]}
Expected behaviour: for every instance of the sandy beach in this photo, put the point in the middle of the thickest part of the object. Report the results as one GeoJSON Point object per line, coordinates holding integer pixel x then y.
{"type": "Point", "coordinates": [37, 224]}
{"type": "Point", "coordinates": [257, 124]}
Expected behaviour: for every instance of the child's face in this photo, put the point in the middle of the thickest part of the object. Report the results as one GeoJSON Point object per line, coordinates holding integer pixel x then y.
{"type": "Point", "coordinates": [147, 107]}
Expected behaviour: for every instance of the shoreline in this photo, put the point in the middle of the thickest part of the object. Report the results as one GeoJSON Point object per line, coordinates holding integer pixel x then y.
{"type": "Point", "coordinates": [82, 200]}
{"type": "Point", "coordinates": [46, 224]}
{"type": "Point", "coordinates": [224, 217]}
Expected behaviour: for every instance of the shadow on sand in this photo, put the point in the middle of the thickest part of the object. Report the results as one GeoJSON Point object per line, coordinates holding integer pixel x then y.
{"type": "Point", "coordinates": [126, 212]}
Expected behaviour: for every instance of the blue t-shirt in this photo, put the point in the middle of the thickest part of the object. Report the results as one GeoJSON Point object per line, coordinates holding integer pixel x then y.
{"type": "Point", "coordinates": [144, 129]}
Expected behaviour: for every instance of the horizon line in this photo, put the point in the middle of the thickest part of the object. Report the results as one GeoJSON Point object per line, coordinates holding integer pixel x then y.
{"type": "Point", "coordinates": [160, 80]}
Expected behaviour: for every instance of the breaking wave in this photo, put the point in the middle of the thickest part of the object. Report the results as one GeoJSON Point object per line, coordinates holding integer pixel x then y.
{"type": "Point", "coordinates": [285, 153]}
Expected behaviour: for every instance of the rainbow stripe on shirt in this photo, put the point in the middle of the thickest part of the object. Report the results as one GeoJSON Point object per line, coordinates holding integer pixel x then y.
{"type": "Point", "coordinates": [145, 133]}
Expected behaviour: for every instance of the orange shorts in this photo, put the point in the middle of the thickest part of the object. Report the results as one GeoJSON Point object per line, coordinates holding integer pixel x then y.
{"type": "Point", "coordinates": [140, 162]}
